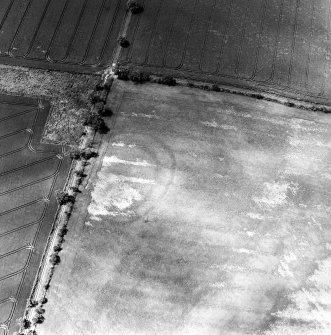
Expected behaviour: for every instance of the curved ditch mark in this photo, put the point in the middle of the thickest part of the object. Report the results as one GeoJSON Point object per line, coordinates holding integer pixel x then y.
{"type": "Point", "coordinates": [160, 158]}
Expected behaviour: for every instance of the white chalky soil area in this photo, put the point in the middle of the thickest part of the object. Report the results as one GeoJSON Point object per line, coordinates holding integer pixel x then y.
{"type": "Point", "coordinates": [209, 215]}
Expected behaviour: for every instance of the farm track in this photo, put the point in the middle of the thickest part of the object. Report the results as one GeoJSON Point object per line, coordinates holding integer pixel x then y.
{"type": "Point", "coordinates": [67, 35]}
{"type": "Point", "coordinates": [30, 173]}
{"type": "Point", "coordinates": [278, 46]}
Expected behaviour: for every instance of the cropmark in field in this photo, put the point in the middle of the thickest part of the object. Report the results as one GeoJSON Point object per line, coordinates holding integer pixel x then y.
{"type": "Point", "coordinates": [208, 214]}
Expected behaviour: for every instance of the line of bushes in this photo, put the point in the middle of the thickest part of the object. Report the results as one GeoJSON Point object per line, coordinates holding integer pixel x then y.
{"type": "Point", "coordinates": [95, 119]}
{"type": "Point", "coordinates": [136, 76]}
{"type": "Point", "coordinates": [98, 99]}
{"type": "Point", "coordinates": [39, 311]}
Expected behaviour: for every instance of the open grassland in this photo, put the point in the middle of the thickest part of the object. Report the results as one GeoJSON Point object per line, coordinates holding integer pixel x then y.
{"type": "Point", "coordinates": [281, 46]}
{"type": "Point", "coordinates": [69, 35]}
{"type": "Point", "coordinates": [29, 175]}
{"type": "Point", "coordinates": [208, 214]}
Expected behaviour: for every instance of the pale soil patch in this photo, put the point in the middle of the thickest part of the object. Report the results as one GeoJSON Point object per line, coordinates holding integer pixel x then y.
{"type": "Point", "coordinates": [68, 94]}
{"type": "Point", "coordinates": [167, 246]}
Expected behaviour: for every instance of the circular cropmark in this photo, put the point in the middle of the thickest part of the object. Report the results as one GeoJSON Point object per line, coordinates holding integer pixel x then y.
{"type": "Point", "coordinates": [136, 173]}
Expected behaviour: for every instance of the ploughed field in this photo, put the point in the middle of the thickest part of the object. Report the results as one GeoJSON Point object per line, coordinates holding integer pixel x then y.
{"type": "Point", "coordinates": [29, 175]}
{"type": "Point", "coordinates": [274, 45]}
{"type": "Point", "coordinates": [70, 35]}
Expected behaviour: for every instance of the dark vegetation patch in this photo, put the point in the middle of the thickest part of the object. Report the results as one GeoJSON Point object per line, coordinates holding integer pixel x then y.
{"type": "Point", "coordinates": [123, 42]}
{"type": "Point", "coordinates": [122, 73]}
{"type": "Point", "coordinates": [95, 121]}
{"type": "Point", "coordinates": [86, 154]}
{"type": "Point", "coordinates": [39, 318]}
{"type": "Point", "coordinates": [54, 259]}
{"type": "Point", "coordinates": [64, 198]}
{"type": "Point", "coordinates": [134, 6]}
{"type": "Point", "coordinates": [139, 76]}
{"type": "Point", "coordinates": [57, 248]}
{"type": "Point", "coordinates": [167, 80]}
{"type": "Point", "coordinates": [106, 112]}
{"type": "Point", "coordinates": [136, 76]}
{"type": "Point", "coordinates": [215, 88]}
{"type": "Point", "coordinates": [80, 173]}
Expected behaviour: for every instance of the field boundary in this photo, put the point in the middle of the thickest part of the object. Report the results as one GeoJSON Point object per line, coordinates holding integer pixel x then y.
{"type": "Point", "coordinates": [153, 48]}
{"type": "Point", "coordinates": [61, 221]}
{"type": "Point", "coordinates": [254, 86]}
